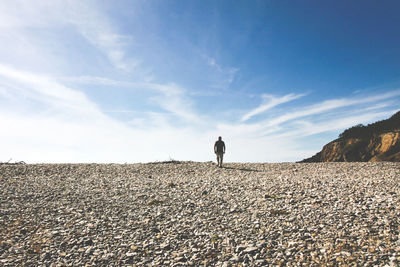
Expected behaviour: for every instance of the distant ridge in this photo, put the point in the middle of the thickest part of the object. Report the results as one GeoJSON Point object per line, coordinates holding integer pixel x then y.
{"type": "Point", "coordinates": [379, 141]}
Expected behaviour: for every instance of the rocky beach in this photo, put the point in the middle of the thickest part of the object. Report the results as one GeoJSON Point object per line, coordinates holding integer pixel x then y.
{"type": "Point", "coordinates": [196, 214]}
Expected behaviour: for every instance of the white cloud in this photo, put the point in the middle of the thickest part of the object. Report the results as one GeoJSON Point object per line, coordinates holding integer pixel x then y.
{"type": "Point", "coordinates": [270, 101]}
{"type": "Point", "coordinates": [224, 75]}
{"type": "Point", "coordinates": [77, 131]}
{"type": "Point", "coordinates": [211, 62]}
{"type": "Point", "coordinates": [174, 100]}
{"type": "Point", "coordinates": [63, 125]}
{"type": "Point", "coordinates": [100, 32]}
{"type": "Point", "coordinates": [305, 122]}
{"type": "Point", "coordinates": [51, 138]}
{"type": "Point", "coordinates": [19, 17]}
{"type": "Point", "coordinates": [309, 128]}
{"type": "Point", "coordinates": [329, 105]}
{"type": "Point", "coordinates": [171, 97]}
{"type": "Point", "coordinates": [94, 80]}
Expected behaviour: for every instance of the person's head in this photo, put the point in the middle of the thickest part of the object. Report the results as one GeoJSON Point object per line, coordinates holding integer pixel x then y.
{"type": "Point", "coordinates": [220, 138]}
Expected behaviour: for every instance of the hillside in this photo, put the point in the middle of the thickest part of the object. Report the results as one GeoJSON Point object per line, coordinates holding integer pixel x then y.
{"type": "Point", "coordinates": [379, 141]}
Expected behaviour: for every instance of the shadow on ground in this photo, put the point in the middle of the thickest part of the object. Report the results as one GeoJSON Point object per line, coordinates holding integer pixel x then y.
{"type": "Point", "coordinates": [242, 169]}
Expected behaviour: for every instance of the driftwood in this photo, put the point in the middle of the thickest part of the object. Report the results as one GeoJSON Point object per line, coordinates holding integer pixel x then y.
{"type": "Point", "coordinates": [12, 163]}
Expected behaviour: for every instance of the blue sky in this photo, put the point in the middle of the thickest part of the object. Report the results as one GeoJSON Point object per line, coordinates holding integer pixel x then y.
{"type": "Point", "coordinates": [140, 81]}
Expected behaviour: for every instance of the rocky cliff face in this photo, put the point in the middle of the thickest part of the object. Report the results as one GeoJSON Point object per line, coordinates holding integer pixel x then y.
{"type": "Point", "coordinates": [383, 147]}
{"type": "Point", "coordinates": [379, 141]}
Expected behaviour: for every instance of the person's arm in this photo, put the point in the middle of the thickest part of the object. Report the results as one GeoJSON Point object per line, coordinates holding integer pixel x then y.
{"type": "Point", "coordinates": [215, 147]}
{"type": "Point", "coordinates": [224, 148]}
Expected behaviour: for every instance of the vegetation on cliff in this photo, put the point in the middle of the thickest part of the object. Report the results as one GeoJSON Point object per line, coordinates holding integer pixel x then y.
{"type": "Point", "coordinates": [365, 132]}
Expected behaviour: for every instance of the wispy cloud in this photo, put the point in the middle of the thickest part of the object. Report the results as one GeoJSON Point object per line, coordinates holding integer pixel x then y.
{"type": "Point", "coordinates": [309, 128]}
{"type": "Point", "coordinates": [225, 75]}
{"type": "Point", "coordinates": [68, 126]}
{"type": "Point", "coordinates": [43, 89]}
{"type": "Point", "coordinates": [95, 80]}
{"type": "Point", "coordinates": [330, 105]}
{"type": "Point", "coordinates": [303, 120]}
{"type": "Point", "coordinates": [174, 100]}
{"type": "Point", "coordinates": [269, 101]}
{"type": "Point", "coordinates": [329, 116]}
{"type": "Point", "coordinates": [171, 97]}
{"type": "Point", "coordinates": [63, 125]}
{"type": "Point", "coordinates": [100, 32]}
{"type": "Point", "coordinates": [19, 17]}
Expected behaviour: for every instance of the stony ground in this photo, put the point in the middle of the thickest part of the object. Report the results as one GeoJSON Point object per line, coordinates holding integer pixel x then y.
{"type": "Point", "coordinates": [191, 214]}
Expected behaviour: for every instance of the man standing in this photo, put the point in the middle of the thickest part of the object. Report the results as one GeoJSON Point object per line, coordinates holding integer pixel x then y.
{"type": "Point", "coordinates": [219, 149]}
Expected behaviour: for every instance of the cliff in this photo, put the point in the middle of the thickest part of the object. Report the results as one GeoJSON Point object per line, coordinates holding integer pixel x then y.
{"type": "Point", "coordinates": [379, 141]}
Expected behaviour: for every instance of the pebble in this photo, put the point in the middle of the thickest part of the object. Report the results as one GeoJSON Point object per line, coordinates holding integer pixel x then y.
{"type": "Point", "coordinates": [250, 250]}
{"type": "Point", "coordinates": [196, 214]}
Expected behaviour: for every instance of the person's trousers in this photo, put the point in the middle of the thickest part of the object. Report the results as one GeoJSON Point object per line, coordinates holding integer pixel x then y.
{"type": "Point", "coordinates": [220, 157]}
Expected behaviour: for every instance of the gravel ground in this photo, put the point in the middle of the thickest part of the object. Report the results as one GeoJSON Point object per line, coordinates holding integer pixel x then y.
{"type": "Point", "coordinates": [191, 214]}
